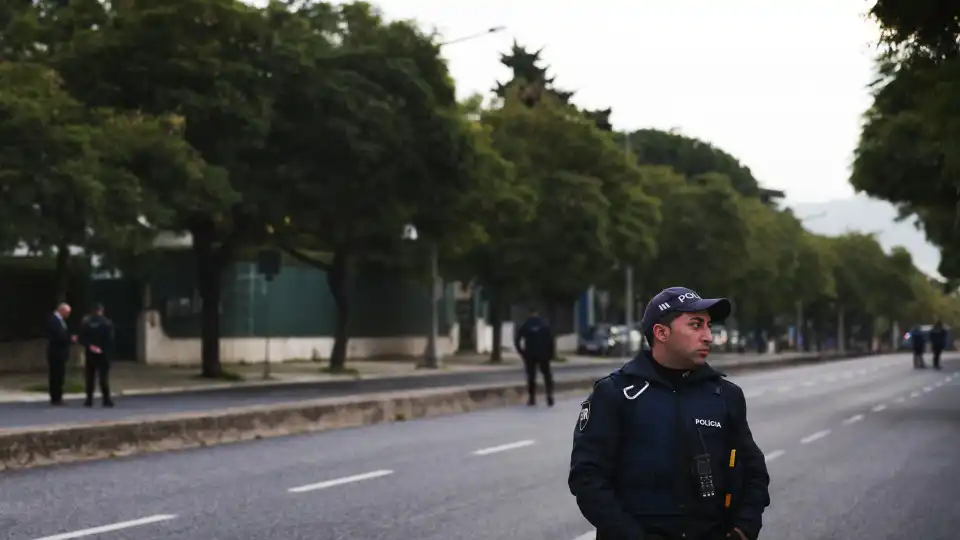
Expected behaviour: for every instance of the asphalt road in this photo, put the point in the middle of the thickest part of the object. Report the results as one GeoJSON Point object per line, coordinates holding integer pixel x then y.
{"type": "Point", "coordinates": [40, 413]}
{"type": "Point", "coordinates": [859, 449]}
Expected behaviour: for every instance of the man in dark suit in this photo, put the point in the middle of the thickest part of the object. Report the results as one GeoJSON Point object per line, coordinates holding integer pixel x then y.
{"type": "Point", "coordinates": [58, 351]}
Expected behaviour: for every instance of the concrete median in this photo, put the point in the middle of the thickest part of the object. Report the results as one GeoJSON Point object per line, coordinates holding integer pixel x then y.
{"type": "Point", "coordinates": [32, 447]}
{"type": "Point", "coordinates": [23, 448]}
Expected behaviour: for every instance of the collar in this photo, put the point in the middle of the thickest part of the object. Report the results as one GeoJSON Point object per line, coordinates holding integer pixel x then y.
{"type": "Point", "coordinates": [642, 366]}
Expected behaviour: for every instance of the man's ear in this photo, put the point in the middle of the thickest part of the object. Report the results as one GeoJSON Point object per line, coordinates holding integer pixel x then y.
{"type": "Point", "coordinates": [661, 332]}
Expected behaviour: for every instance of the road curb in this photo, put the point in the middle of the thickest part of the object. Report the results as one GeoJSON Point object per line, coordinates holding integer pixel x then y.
{"type": "Point", "coordinates": [40, 446]}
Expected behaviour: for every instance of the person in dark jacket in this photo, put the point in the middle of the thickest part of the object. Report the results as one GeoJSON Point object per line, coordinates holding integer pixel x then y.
{"type": "Point", "coordinates": [662, 448]}
{"type": "Point", "coordinates": [535, 342]}
{"type": "Point", "coordinates": [58, 352]}
{"type": "Point", "coordinates": [919, 342]}
{"type": "Point", "coordinates": [938, 342]}
{"type": "Point", "coordinates": [96, 336]}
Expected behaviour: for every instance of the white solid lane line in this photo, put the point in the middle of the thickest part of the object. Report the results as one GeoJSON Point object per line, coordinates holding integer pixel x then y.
{"type": "Point", "coordinates": [815, 437]}
{"type": "Point", "coordinates": [879, 408]}
{"type": "Point", "coordinates": [502, 448]}
{"type": "Point", "coordinates": [774, 455]}
{"type": "Point", "coordinates": [853, 419]}
{"type": "Point", "coordinates": [110, 528]}
{"type": "Point", "coordinates": [588, 536]}
{"type": "Point", "coordinates": [340, 481]}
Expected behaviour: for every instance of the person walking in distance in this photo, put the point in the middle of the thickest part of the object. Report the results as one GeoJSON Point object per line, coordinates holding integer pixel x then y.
{"type": "Point", "coordinates": [535, 342]}
{"type": "Point", "coordinates": [662, 449]}
{"type": "Point", "coordinates": [96, 336]}
{"type": "Point", "coordinates": [58, 352]}
{"type": "Point", "coordinates": [938, 342]}
{"type": "Point", "coordinates": [919, 342]}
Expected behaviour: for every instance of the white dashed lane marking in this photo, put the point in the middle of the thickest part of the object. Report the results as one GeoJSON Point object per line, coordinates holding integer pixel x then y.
{"type": "Point", "coordinates": [853, 419]}
{"type": "Point", "coordinates": [879, 408]}
{"type": "Point", "coordinates": [815, 437]}
{"type": "Point", "coordinates": [110, 528]}
{"type": "Point", "coordinates": [502, 448]}
{"type": "Point", "coordinates": [340, 481]}
{"type": "Point", "coordinates": [774, 455]}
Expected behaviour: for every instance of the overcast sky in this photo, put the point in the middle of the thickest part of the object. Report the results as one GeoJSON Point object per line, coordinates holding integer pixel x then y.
{"type": "Point", "coordinates": [781, 85]}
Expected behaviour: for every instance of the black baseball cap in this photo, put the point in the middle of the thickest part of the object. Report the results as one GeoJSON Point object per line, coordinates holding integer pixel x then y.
{"type": "Point", "coordinates": [683, 300]}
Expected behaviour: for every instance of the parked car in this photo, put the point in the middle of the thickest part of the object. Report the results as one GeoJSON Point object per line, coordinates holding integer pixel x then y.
{"type": "Point", "coordinates": [608, 340]}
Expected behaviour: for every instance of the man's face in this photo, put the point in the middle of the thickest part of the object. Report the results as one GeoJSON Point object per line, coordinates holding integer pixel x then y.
{"type": "Point", "coordinates": [688, 338]}
{"type": "Point", "coordinates": [64, 311]}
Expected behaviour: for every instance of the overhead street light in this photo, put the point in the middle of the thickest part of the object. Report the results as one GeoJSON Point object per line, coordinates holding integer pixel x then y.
{"type": "Point", "coordinates": [492, 30]}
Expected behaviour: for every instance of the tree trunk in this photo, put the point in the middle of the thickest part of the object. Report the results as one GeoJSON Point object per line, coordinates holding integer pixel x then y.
{"type": "Point", "coordinates": [62, 271]}
{"type": "Point", "coordinates": [496, 324]}
{"type": "Point", "coordinates": [209, 270]}
{"type": "Point", "coordinates": [338, 280]}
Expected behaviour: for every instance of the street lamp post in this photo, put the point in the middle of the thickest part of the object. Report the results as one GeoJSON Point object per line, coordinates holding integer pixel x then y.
{"type": "Point", "coordinates": [431, 354]}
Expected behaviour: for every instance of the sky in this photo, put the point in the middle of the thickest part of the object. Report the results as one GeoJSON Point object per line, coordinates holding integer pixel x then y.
{"type": "Point", "coordinates": [780, 85]}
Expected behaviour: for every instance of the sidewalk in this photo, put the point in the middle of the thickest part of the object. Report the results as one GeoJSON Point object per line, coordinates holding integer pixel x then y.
{"type": "Point", "coordinates": [132, 379]}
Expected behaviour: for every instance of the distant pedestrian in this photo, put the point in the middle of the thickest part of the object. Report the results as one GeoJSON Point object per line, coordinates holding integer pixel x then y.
{"type": "Point", "coordinates": [535, 342]}
{"type": "Point", "coordinates": [96, 336]}
{"type": "Point", "coordinates": [58, 351]}
{"type": "Point", "coordinates": [938, 342]}
{"type": "Point", "coordinates": [919, 342]}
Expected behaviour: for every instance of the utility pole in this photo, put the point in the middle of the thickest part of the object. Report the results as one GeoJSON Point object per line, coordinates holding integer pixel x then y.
{"type": "Point", "coordinates": [431, 357]}
{"type": "Point", "coordinates": [628, 271]}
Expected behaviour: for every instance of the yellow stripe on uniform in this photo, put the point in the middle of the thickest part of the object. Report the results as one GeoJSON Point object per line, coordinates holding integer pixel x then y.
{"type": "Point", "coordinates": [733, 457]}
{"type": "Point", "coordinates": [726, 501]}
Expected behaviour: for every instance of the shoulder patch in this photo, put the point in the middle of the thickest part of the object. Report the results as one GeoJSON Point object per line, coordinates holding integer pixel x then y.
{"type": "Point", "coordinates": [584, 415]}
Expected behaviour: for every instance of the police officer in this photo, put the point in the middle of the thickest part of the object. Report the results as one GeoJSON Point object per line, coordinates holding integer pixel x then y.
{"type": "Point", "coordinates": [662, 448]}
{"type": "Point", "coordinates": [96, 336]}
{"type": "Point", "coordinates": [537, 348]}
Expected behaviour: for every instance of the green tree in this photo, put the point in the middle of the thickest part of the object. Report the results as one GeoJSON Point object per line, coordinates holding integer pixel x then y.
{"type": "Point", "coordinates": [704, 237]}
{"type": "Point", "coordinates": [763, 291]}
{"type": "Point", "coordinates": [690, 157]}
{"type": "Point", "coordinates": [203, 60]}
{"type": "Point", "coordinates": [75, 176]}
{"type": "Point", "coordinates": [367, 137]}
{"type": "Point", "coordinates": [587, 195]}
{"type": "Point", "coordinates": [907, 152]}
{"type": "Point", "coordinates": [530, 83]}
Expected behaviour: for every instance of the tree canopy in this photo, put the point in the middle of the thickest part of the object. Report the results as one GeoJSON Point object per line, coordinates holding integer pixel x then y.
{"type": "Point", "coordinates": [908, 149]}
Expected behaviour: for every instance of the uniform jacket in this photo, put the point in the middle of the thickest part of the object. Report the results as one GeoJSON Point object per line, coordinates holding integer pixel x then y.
{"type": "Point", "coordinates": [633, 447]}
{"type": "Point", "coordinates": [97, 330]}
{"type": "Point", "coordinates": [538, 340]}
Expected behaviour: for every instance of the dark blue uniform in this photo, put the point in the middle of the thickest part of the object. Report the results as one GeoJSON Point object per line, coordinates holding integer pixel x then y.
{"type": "Point", "coordinates": [97, 330]}
{"type": "Point", "coordinates": [537, 350]}
{"type": "Point", "coordinates": [632, 463]}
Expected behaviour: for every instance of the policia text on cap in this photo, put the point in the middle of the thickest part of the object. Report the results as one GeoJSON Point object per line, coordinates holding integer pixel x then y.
{"type": "Point", "coordinates": [662, 448]}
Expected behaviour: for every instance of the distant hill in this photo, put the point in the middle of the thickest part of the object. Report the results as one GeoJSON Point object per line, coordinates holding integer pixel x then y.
{"type": "Point", "coordinates": [863, 214]}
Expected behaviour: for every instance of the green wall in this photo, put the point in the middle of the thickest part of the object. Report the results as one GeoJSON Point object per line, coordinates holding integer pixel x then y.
{"type": "Point", "coordinates": [299, 303]}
